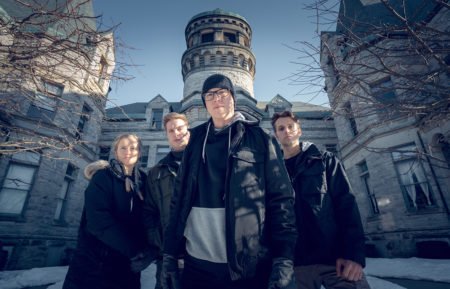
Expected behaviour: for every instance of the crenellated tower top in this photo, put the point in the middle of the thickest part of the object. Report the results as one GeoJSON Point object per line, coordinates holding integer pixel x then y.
{"type": "Point", "coordinates": [218, 42]}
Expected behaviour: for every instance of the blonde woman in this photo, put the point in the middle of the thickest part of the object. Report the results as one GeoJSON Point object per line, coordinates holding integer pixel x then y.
{"type": "Point", "coordinates": [111, 237]}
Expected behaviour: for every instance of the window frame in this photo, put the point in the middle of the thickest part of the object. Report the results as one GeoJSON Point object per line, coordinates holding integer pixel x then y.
{"type": "Point", "coordinates": [146, 149]}
{"type": "Point", "coordinates": [364, 175]}
{"type": "Point", "coordinates": [408, 156]}
{"type": "Point", "coordinates": [40, 110]}
{"type": "Point", "coordinates": [351, 119]}
{"type": "Point", "coordinates": [157, 124]}
{"type": "Point", "coordinates": [162, 154]}
{"type": "Point", "coordinates": [20, 162]}
{"type": "Point", "coordinates": [85, 116]}
{"type": "Point", "coordinates": [70, 178]}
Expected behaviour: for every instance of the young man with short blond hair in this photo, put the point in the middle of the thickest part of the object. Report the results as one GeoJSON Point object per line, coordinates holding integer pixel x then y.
{"type": "Point", "coordinates": [160, 185]}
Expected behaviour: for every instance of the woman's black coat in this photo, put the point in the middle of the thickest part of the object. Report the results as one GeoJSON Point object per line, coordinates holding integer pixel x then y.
{"type": "Point", "coordinates": [111, 232]}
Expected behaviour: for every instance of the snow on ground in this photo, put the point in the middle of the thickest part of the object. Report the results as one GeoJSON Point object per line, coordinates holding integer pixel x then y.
{"type": "Point", "coordinates": [409, 268]}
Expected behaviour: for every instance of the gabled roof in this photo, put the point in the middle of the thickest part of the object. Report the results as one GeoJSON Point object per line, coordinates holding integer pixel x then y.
{"type": "Point", "coordinates": [137, 110]}
{"type": "Point", "coordinates": [133, 110]}
{"type": "Point", "coordinates": [294, 105]}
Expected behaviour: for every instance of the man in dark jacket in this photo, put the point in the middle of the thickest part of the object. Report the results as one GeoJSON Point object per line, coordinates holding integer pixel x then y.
{"type": "Point", "coordinates": [232, 212]}
{"type": "Point", "coordinates": [160, 185]}
{"type": "Point", "coordinates": [330, 244]}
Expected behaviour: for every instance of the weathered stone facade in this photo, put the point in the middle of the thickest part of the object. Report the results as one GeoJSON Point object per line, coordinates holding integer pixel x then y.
{"type": "Point", "coordinates": [226, 50]}
{"type": "Point", "coordinates": [399, 170]}
{"type": "Point", "coordinates": [42, 192]}
{"type": "Point", "coordinates": [34, 238]}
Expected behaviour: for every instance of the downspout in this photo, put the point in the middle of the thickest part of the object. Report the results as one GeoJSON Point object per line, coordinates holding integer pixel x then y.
{"type": "Point", "coordinates": [441, 194]}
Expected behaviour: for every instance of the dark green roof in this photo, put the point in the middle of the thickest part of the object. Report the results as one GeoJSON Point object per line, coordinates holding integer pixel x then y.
{"type": "Point", "coordinates": [135, 110]}
{"type": "Point", "coordinates": [218, 11]}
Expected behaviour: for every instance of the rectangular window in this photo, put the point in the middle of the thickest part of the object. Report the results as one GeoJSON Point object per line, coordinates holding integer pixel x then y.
{"type": "Point", "coordinates": [44, 104]}
{"type": "Point", "coordinates": [383, 93]}
{"type": "Point", "coordinates": [413, 181]}
{"type": "Point", "coordinates": [229, 37]}
{"type": "Point", "coordinates": [365, 178]}
{"type": "Point", "coordinates": [351, 118]}
{"type": "Point", "coordinates": [102, 69]}
{"type": "Point", "coordinates": [143, 160]}
{"type": "Point", "coordinates": [157, 119]}
{"type": "Point", "coordinates": [84, 118]}
{"type": "Point", "coordinates": [18, 183]}
{"type": "Point", "coordinates": [383, 89]}
{"type": "Point", "coordinates": [61, 198]}
{"type": "Point", "coordinates": [104, 153]}
{"type": "Point", "coordinates": [161, 152]}
{"type": "Point", "coordinates": [207, 37]}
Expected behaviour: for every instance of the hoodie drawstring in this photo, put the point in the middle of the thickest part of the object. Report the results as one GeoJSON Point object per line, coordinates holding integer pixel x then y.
{"type": "Point", "coordinates": [204, 142]}
{"type": "Point", "coordinates": [206, 137]}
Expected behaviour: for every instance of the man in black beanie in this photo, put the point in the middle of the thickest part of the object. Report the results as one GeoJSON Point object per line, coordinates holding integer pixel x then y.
{"type": "Point", "coordinates": [232, 211]}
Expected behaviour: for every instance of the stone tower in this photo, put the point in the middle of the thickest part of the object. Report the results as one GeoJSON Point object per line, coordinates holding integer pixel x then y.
{"type": "Point", "coordinates": [217, 42]}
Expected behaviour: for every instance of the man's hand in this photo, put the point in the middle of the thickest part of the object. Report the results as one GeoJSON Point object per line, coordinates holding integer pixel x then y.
{"type": "Point", "coordinates": [282, 276]}
{"type": "Point", "coordinates": [142, 260]}
{"type": "Point", "coordinates": [349, 269]}
{"type": "Point", "coordinates": [170, 277]}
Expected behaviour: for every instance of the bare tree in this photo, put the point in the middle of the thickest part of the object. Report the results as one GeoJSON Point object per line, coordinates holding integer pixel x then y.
{"type": "Point", "coordinates": [390, 58]}
{"type": "Point", "coordinates": [55, 70]}
{"type": "Point", "coordinates": [380, 61]}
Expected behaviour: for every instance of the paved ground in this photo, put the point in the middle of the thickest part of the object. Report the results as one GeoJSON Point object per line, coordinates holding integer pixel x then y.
{"type": "Point", "coordinates": [409, 284]}
{"type": "Point", "coordinates": [416, 284]}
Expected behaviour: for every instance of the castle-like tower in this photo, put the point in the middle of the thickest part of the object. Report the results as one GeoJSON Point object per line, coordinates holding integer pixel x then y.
{"type": "Point", "coordinates": [217, 42]}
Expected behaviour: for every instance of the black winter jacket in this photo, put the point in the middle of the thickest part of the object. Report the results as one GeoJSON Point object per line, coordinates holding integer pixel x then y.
{"type": "Point", "coordinates": [260, 221]}
{"type": "Point", "coordinates": [111, 232]}
{"type": "Point", "coordinates": [328, 219]}
{"type": "Point", "coordinates": [160, 187]}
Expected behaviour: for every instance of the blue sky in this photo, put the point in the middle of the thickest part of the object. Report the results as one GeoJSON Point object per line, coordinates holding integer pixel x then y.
{"type": "Point", "coordinates": [155, 30]}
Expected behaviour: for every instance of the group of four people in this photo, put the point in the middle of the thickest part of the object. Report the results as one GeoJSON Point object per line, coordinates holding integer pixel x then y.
{"type": "Point", "coordinates": [223, 207]}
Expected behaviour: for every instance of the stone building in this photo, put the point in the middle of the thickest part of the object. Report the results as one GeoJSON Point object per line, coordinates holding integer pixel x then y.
{"type": "Point", "coordinates": [42, 189]}
{"type": "Point", "coordinates": [216, 42]}
{"type": "Point", "coordinates": [397, 163]}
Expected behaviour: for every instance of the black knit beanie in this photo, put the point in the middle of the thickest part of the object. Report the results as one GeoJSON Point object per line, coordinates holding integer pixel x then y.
{"type": "Point", "coordinates": [217, 81]}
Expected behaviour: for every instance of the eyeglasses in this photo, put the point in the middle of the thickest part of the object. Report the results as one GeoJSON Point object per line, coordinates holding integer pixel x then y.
{"type": "Point", "coordinates": [221, 93]}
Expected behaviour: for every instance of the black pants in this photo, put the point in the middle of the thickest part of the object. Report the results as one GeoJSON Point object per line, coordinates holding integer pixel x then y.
{"type": "Point", "coordinates": [217, 276]}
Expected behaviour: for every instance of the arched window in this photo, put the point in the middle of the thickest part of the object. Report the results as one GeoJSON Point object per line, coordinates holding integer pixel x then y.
{"type": "Point", "coordinates": [241, 60]}
{"type": "Point", "coordinates": [230, 57]}
{"type": "Point", "coordinates": [196, 60]}
{"type": "Point", "coordinates": [207, 58]}
{"type": "Point", "coordinates": [219, 57]}
{"type": "Point", "coordinates": [188, 64]}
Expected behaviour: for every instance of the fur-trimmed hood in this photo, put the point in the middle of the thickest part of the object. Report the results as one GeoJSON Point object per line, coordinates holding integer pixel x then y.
{"type": "Point", "coordinates": [92, 168]}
